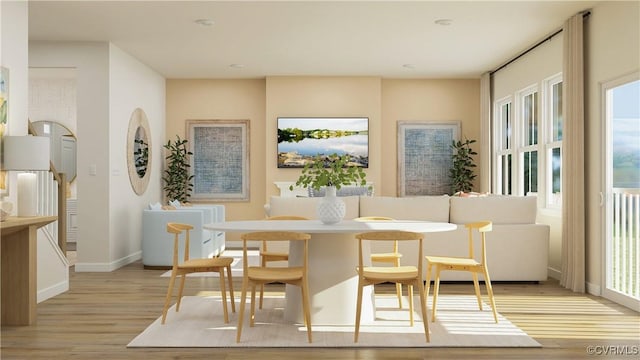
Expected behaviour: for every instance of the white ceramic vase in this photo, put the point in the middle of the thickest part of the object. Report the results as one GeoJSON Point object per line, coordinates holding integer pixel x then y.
{"type": "Point", "coordinates": [331, 209]}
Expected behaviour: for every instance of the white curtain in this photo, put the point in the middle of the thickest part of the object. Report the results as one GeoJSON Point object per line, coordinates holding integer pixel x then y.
{"type": "Point", "coordinates": [485, 134]}
{"type": "Point", "coordinates": [573, 203]}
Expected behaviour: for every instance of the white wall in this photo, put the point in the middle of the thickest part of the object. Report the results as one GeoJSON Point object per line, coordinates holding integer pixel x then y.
{"type": "Point", "coordinates": [110, 84]}
{"type": "Point", "coordinates": [132, 85]}
{"type": "Point", "coordinates": [612, 36]}
{"type": "Point", "coordinates": [52, 273]}
{"type": "Point", "coordinates": [91, 61]}
{"type": "Point", "coordinates": [539, 64]}
{"type": "Point", "coordinates": [52, 97]}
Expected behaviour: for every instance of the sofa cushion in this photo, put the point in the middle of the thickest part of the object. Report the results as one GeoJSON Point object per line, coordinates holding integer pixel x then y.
{"type": "Point", "coordinates": [498, 209]}
{"type": "Point", "coordinates": [430, 208]}
{"type": "Point", "coordinates": [306, 206]}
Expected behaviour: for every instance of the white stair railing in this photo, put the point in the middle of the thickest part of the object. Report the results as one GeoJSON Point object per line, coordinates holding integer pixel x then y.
{"type": "Point", "coordinates": [48, 200]}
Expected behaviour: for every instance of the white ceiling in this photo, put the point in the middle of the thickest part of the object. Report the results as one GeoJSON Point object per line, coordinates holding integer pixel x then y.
{"type": "Point", "coordinates": [323, 38]}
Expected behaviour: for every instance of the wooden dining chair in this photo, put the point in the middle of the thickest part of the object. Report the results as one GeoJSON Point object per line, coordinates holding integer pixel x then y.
{"type": "Point", "coordinates": [267, 256]}
{"type": "Point", "coordinates": [469, 264]}
{"type": "Point", "coordinates": [254, 276]}
{"type": "Point", "coordinates": [393, 257]}
{"type": "Point", "coordinates": [188, 266]}
{"type": "Point", "coordinates": [407, 275]}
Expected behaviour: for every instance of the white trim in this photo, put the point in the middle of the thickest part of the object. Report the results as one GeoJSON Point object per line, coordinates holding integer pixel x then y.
{"type": "Point", "coordinates": [554, 273]}
{"type": "Point", "coordinates": [607, 202]}
{"type": "Point", "coordinates": [519, 139]}
{"type": "Point", "coordinates": [108, 267]}
{"type": "Point", "coordinates": [548, 142]}
{"type": "Point", "coordinates": [498, 151]}
{"type": "Point", "coordinates": [52, 291]}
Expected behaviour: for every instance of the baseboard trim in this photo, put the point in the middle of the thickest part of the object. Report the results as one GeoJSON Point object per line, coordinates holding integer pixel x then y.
{"type": "Point", "coordinates": [52, 291]}
{"type": "Point", "coordinates": [108, 267]}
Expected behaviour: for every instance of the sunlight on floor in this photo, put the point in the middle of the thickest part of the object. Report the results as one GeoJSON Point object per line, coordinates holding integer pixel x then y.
{"type": "Point", "coordinates": [568, 317]}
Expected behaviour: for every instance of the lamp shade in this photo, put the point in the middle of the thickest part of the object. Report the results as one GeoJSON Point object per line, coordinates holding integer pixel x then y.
{"type": "Point", "coordinates": [26, 153]}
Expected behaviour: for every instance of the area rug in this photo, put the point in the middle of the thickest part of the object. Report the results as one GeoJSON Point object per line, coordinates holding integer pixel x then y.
{"type": "Point", "coordinates": [459, 324]}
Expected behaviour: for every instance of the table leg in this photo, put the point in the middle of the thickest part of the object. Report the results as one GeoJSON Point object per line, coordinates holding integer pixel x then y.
{"type": "Point", "coordinates": [333, 282]}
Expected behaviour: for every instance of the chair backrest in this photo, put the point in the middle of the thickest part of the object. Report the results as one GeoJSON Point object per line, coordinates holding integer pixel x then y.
{"type": "Point", "coordinates": [393, 235]}
{"type": "Point", "coordinates": [177, 229]}
{"type": "Point", "coordinates": [348, 190]}
{"type": "Point", "coordinates": [482, 227]}
{"type": "Point", "coordinates": [373, 218]}
{"type": "Point", "coordinates": [287, 217]}
{"type": "Point", "coordinates": [281, 217]}
{"type": "Point", "coordinates": [274, 236]}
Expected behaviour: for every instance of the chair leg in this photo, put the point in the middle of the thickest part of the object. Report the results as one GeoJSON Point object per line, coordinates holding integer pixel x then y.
{"type": "Point", "coordinates": [436, 289]}
{"type": "Point", "coordinates": [223, 291]}
{"type": "Point", "coordinates": [487, 282]}
{"type": "Point", "coordinates": [410, 293]}
{"type": "Point", "coordinates": [184, 276]}
{"type": "Point", "coordinates": [243, 300]}
{"type": "Point", "coordinates": [399, 287]}
{"type": "Point", "coordinates": [306, 310]}
{"type": "Point", "coordinates": [252, 317]}
{"type": "Point", "coordinates": [261, 296]}
{"type": "Point", "coordinates": [263, 263]}
{"type": "Point", "coordinates": [358, 312]}
{"type": "Point", "coordinates": [168, 298]}
{"type": "Point", "coordinates": [230, 279]}
{"type": "Point", "coordinates": [476, 287]}
{"type": "Point", "coordinates": [423, 310]}
{"type": "Point", "coordinates": [427, 283]}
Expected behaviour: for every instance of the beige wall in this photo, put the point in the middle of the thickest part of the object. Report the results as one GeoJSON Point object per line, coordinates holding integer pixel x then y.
{"type": "Point", "coordinates": [321, 96]}
{"type": "Point", "coordinates": [425, 100]}
{"type": "Point", "coordinates": [224, 100]}
{"type": "Point", "coordinates": [384, 102]}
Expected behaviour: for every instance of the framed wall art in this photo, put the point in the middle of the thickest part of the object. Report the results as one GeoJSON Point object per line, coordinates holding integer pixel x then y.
{"type": "Point", "coordinates": [301, 139]}
{"type": "Point", "coordinates": [220, 160]}
{"type": "Point", "coordinates": [424, 157]}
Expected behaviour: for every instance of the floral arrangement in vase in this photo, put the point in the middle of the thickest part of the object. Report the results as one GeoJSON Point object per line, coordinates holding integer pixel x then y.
{"type": "Point", "coordinates": [331, 172]}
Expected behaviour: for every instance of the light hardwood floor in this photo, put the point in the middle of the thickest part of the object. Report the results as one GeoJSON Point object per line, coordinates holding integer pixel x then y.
{"type": "Point", "coordinates": [102, 312]}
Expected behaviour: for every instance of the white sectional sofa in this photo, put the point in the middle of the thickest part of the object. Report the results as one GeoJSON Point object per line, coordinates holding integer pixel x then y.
{"type": "Point", "coordinates": [517, 248]}
{"type": "Point", "coordinates": [157, 244]}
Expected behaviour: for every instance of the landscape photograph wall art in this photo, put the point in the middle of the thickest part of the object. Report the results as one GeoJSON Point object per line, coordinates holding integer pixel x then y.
{"type": "Point", "coordinates": [301, 139]}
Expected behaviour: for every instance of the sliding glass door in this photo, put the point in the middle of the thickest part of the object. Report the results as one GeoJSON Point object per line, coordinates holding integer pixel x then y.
{"type": "Point", "coordinates": [622, 192]}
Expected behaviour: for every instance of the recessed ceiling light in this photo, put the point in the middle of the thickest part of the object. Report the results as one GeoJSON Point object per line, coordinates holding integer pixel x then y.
{"type": "Point", "coordinates": [204, 22]}
{"type": "Point", "coordinates": [236, 66]}
{"type": "Point", "coordinates": [444, 22]}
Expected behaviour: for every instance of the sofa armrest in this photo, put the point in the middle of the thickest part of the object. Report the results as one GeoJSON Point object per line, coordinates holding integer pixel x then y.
{"type": "Point", "coordinates": [157, 243]}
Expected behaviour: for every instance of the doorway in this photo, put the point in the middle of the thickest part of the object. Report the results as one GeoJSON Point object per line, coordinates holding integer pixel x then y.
{"type": "Point", "coordinates": [622, 191]}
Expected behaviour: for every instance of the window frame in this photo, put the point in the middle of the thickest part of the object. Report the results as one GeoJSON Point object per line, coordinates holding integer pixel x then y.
{"type": "Point", "coordinates": [520, 144]}
{"type": "Point", "coordinates": [500, 150]}
{"type": "Point", "coordinates": [552, 200]}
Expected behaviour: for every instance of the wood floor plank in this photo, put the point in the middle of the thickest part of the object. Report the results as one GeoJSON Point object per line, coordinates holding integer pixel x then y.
{"type": "Point", "coordinates": [102, 312]}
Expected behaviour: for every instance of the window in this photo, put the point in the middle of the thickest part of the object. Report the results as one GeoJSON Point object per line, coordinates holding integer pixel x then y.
{"type": "Point", "coordinates": [528, 122]}
{"type": "Point", "coordinates": [504, 148]}
{"type": "Point", "coordinates": [527, 145]}
{"type": "Point", "coordinates": [553, 143]}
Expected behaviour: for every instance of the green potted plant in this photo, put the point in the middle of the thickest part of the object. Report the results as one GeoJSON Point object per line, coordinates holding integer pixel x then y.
{"type": "Point", "coordinates": [178, 182]}
{"type": "Point", "coordinates": [461, 171]}
{"type": "Point", "coordinates": [330, 172]}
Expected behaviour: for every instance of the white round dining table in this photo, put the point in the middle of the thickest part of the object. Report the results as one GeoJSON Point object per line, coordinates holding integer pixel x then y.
{"type": "Point", "coordinates": [333, 257]}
